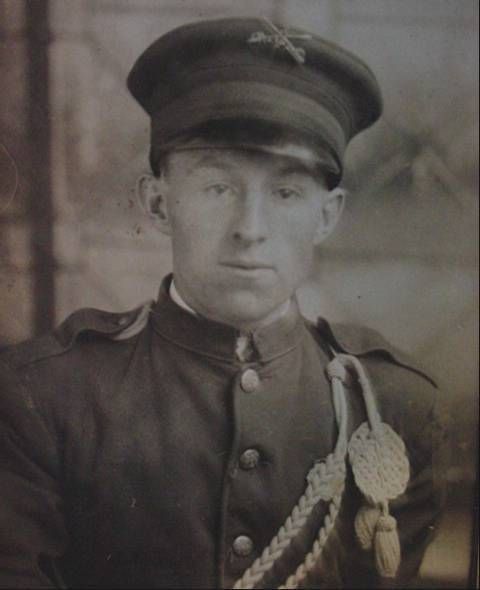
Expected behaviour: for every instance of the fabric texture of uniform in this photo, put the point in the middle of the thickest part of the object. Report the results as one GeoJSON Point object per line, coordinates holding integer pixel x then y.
{"type": "Point", "coordinates": [161, 460]}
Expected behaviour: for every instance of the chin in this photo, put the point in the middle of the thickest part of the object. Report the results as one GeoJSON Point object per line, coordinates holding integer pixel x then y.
{"type": "Point", "coordinates": [245, 309]}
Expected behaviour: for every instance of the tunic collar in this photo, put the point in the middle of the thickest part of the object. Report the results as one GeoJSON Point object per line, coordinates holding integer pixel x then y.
{"type": "Point", "coordinates": [179, 300]}
{"type": "Point", "coordinates": [217, 340]}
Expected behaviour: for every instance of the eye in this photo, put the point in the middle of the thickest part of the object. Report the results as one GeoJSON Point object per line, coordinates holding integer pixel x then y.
{"type": "Point", "coordinates": [218, 189]}
{"type": "Point", "coordinates": [288, 193]}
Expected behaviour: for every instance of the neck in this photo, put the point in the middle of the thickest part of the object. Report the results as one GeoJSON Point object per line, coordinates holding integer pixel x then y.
{"type": "Point", "coordinates": [275, 314]}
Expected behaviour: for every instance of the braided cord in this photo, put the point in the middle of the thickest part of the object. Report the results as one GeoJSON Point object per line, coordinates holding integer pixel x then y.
{"type": "Point", "coordinates": [320, 478]}
{"type": "Point", "coordinates": [320, 486]}
{"type": "Point", "coordinates": [311, 559]}
{"type": "Point", "coordinates": [368, 397]}
{"type": "Point", "coordinates": [325, 482]}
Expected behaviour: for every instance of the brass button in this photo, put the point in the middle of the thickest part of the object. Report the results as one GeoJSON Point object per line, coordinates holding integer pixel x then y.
{"type": "Point", "coordinates": [249, 459]}
{"type": "Point", "coordinates": [249, 380]}
{"type": "Point", "coordinates": [242, 546]}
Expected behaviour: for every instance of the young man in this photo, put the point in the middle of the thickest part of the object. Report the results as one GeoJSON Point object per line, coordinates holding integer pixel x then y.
{"type": "Point", "coordinates": [215, 439]}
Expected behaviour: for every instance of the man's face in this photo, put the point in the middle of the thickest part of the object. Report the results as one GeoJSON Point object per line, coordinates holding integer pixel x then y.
{"type": "Point", "coordinates": [243, 225]}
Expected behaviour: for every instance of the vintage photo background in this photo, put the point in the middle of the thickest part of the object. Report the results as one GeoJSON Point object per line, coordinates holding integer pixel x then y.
{"type": "Point", "coordinates": [403, 260]}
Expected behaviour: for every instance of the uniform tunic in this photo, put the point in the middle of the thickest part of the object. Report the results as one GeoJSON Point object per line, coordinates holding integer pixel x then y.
{"type": "Point", "coordinates": [161, 460]}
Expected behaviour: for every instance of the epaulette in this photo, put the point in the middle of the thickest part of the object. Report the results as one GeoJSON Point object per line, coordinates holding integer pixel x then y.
{"type": "Point", "coordinates": [362, 341]}
{"type": "Point", "coordinates": [112, 325]}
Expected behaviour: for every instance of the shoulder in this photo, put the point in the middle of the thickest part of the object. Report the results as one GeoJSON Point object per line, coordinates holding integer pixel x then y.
{"type": "Point", "coordinates": [405, 391]}
{"type": "Point", "coordinates": [85, 326]}
{"type": "Point", "coordinates": [47, 384]}
{"type": "Point", "coordinates": [50, 375]}
{"type": "Point", "coordinates": [406, 395]}
{"type": "Point", "coordinates": [372, 348]}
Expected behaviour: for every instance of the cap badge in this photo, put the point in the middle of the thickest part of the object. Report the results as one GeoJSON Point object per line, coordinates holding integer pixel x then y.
{"type": "Point", "coordinates": [280, 39]}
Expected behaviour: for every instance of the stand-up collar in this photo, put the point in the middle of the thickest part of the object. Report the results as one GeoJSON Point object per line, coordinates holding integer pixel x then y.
{"type": "Point", "coordinates": [218, 340]}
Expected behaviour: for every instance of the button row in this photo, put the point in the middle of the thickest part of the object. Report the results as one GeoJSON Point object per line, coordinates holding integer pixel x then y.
{"type": "Point", "coordinates": [249, 381]}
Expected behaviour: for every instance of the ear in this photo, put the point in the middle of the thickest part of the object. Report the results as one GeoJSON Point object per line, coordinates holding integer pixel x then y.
{"type": "Point", "coordinates": [332, 208]}
{"type": "Point", "coordinates": [151, 194]}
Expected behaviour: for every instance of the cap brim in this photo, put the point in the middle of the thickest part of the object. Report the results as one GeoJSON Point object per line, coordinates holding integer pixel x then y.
{"type": "Point", "coordinates": [251, 100]}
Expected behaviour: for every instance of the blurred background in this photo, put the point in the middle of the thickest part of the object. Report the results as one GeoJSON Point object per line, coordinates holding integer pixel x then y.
{"type": "Point", "coordinates": [404, 259]}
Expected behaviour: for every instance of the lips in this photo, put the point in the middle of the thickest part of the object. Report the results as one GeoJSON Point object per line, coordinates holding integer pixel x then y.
{"type": "Point", "coordinates": [247, 265]}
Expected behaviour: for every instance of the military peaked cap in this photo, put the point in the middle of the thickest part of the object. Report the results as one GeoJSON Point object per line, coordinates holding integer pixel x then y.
{"type": "Point", "coordinates": [252, 69]}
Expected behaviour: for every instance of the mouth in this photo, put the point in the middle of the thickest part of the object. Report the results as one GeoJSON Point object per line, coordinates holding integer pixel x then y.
{"type": "Point", "coordinates": [251, 269]}
{"type": "Point", "coordinates": [246, 265]}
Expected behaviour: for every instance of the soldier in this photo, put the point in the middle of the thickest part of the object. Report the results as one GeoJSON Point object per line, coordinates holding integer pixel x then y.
{"type": "Point", "coordinates": [214, 438]}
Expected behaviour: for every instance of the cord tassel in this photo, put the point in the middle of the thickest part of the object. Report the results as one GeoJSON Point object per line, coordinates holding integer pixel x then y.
{"type": "Point", "coordinates": [365, 525]}
{"type": "Point", "coordinates": [387, 547]}
{"type": "Point", "coordinates": [381, 471]}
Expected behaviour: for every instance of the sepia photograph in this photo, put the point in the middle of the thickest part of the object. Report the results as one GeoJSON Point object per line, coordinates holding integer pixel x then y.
{"type": "Point", "coordinates": [239, 294]}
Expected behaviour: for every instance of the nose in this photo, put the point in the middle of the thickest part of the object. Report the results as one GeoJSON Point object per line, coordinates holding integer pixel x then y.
{"type": "Point", "coordinates": [250, 223]}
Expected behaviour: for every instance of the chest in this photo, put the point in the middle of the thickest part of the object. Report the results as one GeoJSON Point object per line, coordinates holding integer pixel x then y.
{"type": "Point", "coordinates": [194, 464]}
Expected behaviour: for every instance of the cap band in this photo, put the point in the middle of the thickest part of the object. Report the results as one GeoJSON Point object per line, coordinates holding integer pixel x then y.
{"type": "Point", "coordinates": [249, 100]}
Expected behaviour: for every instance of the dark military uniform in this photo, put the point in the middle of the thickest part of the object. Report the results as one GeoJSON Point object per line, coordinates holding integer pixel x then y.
{"type": "Point", "coordinates": [141, 452]}
{"type": "Point", "coordinates": [150, 449]}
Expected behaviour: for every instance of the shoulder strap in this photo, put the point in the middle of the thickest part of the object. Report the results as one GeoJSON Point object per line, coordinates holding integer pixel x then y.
{"type": "Point", "coordinates": [116, 326]}
{"type": "Point", "coordinates": [361, 342]}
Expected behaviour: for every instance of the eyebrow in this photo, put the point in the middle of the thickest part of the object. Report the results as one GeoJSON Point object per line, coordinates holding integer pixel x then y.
{"type": "Point", "coordinates": [210, 160]}
{"type": "Point", "coordinates": [297, 168]}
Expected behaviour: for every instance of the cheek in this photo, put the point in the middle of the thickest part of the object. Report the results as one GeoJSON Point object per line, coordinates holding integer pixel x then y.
{"type": "Point", "coordinates": [293, 261]}
{"type": "Point", "coordinates": [302, 254]}
{"type": "Point", "coordinates": [191, 211]}
{"type": "Point", "coordinates": [296, 240]}
{"type": "Point", "coordinates": [196, 234]}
